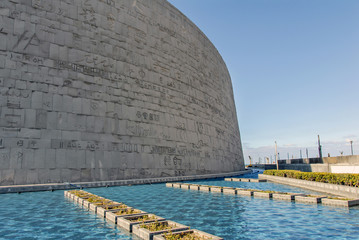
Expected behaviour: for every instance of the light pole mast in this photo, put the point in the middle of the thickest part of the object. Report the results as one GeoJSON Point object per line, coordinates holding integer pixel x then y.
{"type": "Point", "coordinates": [319, 148]}
{"type": "Point", "coordinates": [276, 154]}
{"type": "Point", "coordinates": [351, 146]}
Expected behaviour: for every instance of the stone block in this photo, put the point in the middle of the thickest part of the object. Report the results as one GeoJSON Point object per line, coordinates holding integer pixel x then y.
{"type": "Point", "coordinates": [60, 158]}
{"type": "Point", "coordinates": [20, 176]}
{"type": "Point", "coordinates": [50, 158]}
{"type": "Point", "coordinates": [36, 100]}
{"type": "Point", "coordinates": [57, 103]}
{"type": "Point", "coordinates": [39, 158]}
{"type": "Point", "coordinates": [41, 118]}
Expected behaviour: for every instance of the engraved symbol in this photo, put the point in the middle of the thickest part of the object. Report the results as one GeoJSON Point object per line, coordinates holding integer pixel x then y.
{"type": "Point", "coordinates": [13, 120]}
{"type": "Point", "coordinates": [142, 73]}
{"type": "Point", "coordinates": [67, 82]}
{"type": "Point", "coordinates": [15, 14]}
{"type": "Point", "coordinates": [1, 143]}
{"type": "Point", "coordinates": [2, 31]}
{"type": "Point", "coordinates": [139, 115]}
{"type": "Point", "coordinates": [111, 19]}
{"type": "Point", "coordinates": [20, 143]}
{"type": "Point", "coordinates": [32, 144]}
{"type": "Point", "coordinates": [177, 161]}
{"type": "Point", "coordinates": [134, 5]}
{"type": "Point", "coordinates": [13, 104]}
{"type": "Point", "coordinates": [93, 105]}
{"type": "Point", "coordinates": [20, 156]}
{"type": "Point", "coordinates": [26, 39]}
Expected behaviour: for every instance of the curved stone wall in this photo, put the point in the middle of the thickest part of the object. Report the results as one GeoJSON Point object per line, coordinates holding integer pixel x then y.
{"type": "Point", "coordinates": [110, 89]}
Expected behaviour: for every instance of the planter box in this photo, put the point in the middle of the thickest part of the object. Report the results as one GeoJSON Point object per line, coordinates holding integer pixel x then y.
{"type": "Point", "coordinates": [309, 199]}
{"type": "Point", "coordinates": [236, 179]}
{"type": "Point", "coordinates": [176, 185]}
{"type": "Point", "coordinates": [169, 184]}
{"type": "Point", "coordinates": [204, 188]}
{"type": "Point", "coordinates": [229, 190]}
{"type": "Point", "coordinates": [194, 187]}
{"type": "Point", "coordinates": [185, 186]}
{"type": "Point", "coordinates": [241, 191]}
{"type": "Point", "coordinates": [245, 179]}
{"type": "Point", "coordinates": [70, 196]}
{"type": "Point", "coordinates": [148, 235]}
{"type": "Point", "coordinates": [102, 210]}
{"type": "Point", "coordinates": [257, 180]}
{"type": "Point", "coordinates": [112, 216]}
{"type": "Point", "coordinates": [228, 179]}
{"type": "Point", "coordinates": [340, 202]}
{"type": "Point", "coordinates": [202, 235]}
{"type": "Point", "coordinates": [128, 222]}
{"type": "Point", "coordinates": [262, 194]}
{"type": "Point", "coordinates": [66, 193]}
{"type": "Point", "coordinates": [76, 198]}
{"type": "Point", "coordinates": [287, 197]}
{"type": "Point", "coordinates": [86, 204]}
{"type": "Point", "coordinates": [93, 206]}
{"type": "Point", "coordinates": [216, 189]}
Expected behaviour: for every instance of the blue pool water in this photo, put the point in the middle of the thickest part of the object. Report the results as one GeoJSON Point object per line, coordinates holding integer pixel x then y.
{"type": "Point", "coordinates": [48, 215]}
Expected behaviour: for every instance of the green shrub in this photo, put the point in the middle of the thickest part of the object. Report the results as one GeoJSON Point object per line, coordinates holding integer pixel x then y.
{"type": "Point", "coordinates": [333, 178]}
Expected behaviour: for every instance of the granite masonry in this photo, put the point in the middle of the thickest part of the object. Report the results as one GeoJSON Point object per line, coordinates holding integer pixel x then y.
{"type": "Point", "coordinates": [96, 90]}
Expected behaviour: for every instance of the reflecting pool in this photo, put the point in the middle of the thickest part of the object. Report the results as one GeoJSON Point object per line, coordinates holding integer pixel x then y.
{"type": "Point", "coordinates": [48, 215]}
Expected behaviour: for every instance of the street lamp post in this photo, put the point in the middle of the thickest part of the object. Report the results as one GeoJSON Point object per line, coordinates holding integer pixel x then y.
{"type": "Point", "coordinates": [351, 146]}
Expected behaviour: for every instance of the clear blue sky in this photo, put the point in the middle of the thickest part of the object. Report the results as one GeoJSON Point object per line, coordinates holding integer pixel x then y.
{"type": "Point", "coordinates": [294, 66]}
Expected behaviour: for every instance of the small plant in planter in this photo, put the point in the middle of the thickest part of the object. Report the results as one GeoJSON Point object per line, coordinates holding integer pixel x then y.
{"type": "Point", "coordinates": [114, 207]}
{"type": "Point", "coordinates": [192, 234]}
{"type": "Point", "coordinates": [340, 198]}
{"type": "Point", "coordinates": [184, 236]}
{"type": "Point", "coordinates": [95, 199]}
{"type": "Point", "coordinates": [127, 211]}
{"type": "Point", "coordinates": [104, 202]}
{"type": "Point", "coordinates": [156, 226]}
{"type": "Point", "coordinates": [143, 218]}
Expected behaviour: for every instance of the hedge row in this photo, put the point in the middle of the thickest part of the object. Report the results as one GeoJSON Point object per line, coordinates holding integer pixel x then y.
{"type": "Point", "coordinates": [333, 178]}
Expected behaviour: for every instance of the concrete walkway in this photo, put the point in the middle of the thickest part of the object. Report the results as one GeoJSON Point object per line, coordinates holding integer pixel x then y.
{"type": "Point", "coordinates": [341, 190]}
{"type": "Point", "coordinates": [64, 186]}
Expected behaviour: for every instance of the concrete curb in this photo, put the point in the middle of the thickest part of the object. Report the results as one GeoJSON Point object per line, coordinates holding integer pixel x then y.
{"type": "Point", "coordinates": [350, 192]}
{"type": "Point", "coordinates": [65, 186]}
